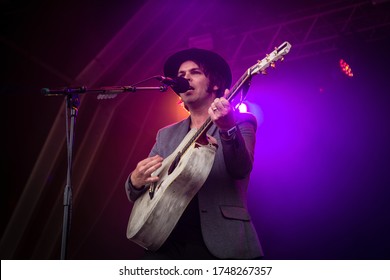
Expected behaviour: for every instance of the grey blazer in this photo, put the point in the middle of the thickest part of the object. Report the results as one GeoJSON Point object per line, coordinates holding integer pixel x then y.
{"type": "Point", "coordinates": [225, 222]}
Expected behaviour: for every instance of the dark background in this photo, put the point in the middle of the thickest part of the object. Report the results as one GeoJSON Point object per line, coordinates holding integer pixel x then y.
{"type": "Point", "coordinates": [320, 186]}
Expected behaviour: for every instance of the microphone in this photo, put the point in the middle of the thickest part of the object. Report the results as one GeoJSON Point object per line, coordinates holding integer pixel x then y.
{"type": "Point", "coordinates": [179, 84]}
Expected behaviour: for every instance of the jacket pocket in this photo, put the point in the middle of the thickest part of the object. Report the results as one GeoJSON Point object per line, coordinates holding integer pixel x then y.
{"type": "Point", "coordinates": [235, 213]}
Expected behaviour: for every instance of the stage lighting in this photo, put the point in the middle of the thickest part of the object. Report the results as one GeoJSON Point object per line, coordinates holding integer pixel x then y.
{"type": "Point", "coordinates": [346, 68]}
{"type": "Point", "coordinates": [242, 107]}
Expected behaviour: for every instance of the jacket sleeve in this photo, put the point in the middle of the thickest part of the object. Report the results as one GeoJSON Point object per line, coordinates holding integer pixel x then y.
{"type": "Point", "coordinates": [238, 152]}
{"type": "Point", "coordinates": [131, 192]}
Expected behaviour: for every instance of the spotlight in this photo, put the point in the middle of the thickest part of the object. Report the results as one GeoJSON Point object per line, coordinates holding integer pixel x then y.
{"type": "Point", "coordinates": [345, 68]}
{"type": "Point", "coordinates": [252, 107]}
{"type": "Point", "coordinates": [242, 107]}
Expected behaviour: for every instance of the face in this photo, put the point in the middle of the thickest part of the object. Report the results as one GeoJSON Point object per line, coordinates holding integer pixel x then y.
{"type": "Point", "coordinates": [198, 95]}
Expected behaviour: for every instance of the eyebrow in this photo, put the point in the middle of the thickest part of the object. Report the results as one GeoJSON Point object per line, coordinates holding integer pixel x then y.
{"type": "Point", "coordinates": [192, 69]}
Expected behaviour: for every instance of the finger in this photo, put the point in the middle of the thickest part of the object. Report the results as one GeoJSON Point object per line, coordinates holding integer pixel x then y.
{"type": "Point", "coordinates": [212, 109]}
{"type": "Point", "coordinates": [226, 93]}
{"type": "Point", "coordinates": [142, 174]}
{"type": "Point", "coordinates": [224, 102]}
{"type": "Point", "coordinates": [148, 172]}
{"type": "Point", "coordinates": [222, 109]}
{"type": "Point", "coordinates": [221, 104]}
{"type": "Point", "coordinates": [150, 161]}
{"type": "Point", "coordinates": [143, 167]}
{"type": "Point", "coordinates": [217, 105]}
{"type": "Point", "coordinates": [152, 179]}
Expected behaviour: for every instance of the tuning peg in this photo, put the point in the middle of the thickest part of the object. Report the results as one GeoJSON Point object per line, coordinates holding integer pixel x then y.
{"type": "Point", "coordinates": [263, 72]}
{"type": "Point", "coordinates": [273, 64]}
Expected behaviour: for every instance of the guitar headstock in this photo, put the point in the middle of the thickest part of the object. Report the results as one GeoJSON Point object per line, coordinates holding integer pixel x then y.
{"type": "Point", "coordinates": [259, 67]}
{"type": "Point", "coordinates": [270, 59]}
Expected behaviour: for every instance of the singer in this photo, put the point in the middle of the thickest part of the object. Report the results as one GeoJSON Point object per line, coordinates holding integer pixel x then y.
{"type": "Point", "coordinates": [215, 224]}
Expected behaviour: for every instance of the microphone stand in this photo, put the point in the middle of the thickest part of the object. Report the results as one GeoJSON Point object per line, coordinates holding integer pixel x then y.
{"type": "Point", "coordinates": [72, 105]}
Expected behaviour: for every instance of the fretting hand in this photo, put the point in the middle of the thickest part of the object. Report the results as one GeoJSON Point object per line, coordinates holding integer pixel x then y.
{"type": "Point", "coordinates": [221, 113]}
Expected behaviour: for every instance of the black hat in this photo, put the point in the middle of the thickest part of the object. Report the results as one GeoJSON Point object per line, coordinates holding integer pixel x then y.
{"type": "Point", "coordinates": [211, 60]}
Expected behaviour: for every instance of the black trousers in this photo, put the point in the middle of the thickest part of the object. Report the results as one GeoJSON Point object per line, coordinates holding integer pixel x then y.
{"type": "Point", "coordinates": [186, 241]}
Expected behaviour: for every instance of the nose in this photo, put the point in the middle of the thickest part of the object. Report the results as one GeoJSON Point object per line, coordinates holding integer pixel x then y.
{"type": "Point", "coordinates": [187, 76]}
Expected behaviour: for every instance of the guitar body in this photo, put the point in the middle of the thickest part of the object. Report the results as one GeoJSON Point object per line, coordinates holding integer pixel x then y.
{"type": "Point", "coordinates": [153, 219]}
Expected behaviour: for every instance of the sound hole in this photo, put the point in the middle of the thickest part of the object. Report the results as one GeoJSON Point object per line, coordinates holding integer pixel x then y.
{"type": "Point", "coordinates": [174, 163]}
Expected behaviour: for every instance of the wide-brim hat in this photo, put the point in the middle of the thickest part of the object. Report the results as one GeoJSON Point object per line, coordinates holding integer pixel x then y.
{"type": "Point", "coordinates": [213, 61]}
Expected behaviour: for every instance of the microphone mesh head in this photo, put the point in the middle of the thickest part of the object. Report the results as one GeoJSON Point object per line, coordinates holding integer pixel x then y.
{"type": "Point", "coordinates": [181, 85]}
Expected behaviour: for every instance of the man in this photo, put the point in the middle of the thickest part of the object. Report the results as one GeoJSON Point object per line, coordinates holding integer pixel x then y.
{"type": "Point", "coordinates": [216, 223]}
